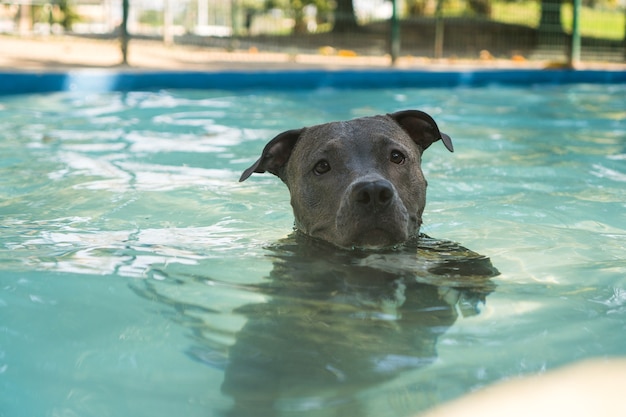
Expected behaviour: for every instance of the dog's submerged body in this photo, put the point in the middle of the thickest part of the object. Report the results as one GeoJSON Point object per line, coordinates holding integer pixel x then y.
{"type": "Point", "coordinates": [334, 324]}
{"type": "Point", "coordinates": [356, 183]}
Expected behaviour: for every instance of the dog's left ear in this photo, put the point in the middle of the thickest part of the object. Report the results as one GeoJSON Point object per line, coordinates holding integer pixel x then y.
{"type": "Point", "coordinates": [275, 154]}
{"type": "Point", "coordinates": [421, 128]}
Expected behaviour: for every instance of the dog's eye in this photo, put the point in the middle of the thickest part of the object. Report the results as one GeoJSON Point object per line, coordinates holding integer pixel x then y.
{"type": "Point", "coordinates": [397, 157]}
{"type": "Point", "coordinates": [322, 167]}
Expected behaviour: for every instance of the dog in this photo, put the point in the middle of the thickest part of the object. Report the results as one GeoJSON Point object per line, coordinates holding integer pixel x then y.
{"type": "Point", "coordinates": [355, 183]}
{"type": "Point", "coordinates": [333, 322]}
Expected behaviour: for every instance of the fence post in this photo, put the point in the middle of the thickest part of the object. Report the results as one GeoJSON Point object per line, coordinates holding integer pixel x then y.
{"type": "Point", "coordinates": [439, 30]}
{"type": "Point", "coordinates": [574, 56]}
{"type": "Point", "coordinates": [395, 32]}
{"type": "Point", "coordinates": [124, 32]}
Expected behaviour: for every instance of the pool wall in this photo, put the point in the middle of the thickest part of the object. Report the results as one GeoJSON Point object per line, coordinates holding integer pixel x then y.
{"type": "Point", "coordinates": [106, 80]}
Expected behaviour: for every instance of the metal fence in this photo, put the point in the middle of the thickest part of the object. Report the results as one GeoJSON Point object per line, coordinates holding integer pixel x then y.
{"type": "Point", "coordinates": [514, 29]}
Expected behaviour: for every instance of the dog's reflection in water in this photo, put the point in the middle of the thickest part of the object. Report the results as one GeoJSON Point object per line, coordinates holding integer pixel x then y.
{"type": "Point", "coordinates": [337, 322]}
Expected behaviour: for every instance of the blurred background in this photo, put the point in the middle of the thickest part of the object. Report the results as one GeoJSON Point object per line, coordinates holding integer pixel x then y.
{"type": "Point", "coordinates": [519, 30]}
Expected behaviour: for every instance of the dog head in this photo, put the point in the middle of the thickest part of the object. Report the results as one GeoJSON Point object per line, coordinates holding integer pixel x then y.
{"type": "Point", "coordinates": [356, 183]}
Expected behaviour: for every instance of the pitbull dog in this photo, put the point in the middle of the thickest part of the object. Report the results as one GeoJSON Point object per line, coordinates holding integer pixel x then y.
{"type": "Point", "coordinates": [355, 183]}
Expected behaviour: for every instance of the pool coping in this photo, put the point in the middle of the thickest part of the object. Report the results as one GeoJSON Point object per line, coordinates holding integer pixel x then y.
{"type": "Point", "coordinates": [104, 80]}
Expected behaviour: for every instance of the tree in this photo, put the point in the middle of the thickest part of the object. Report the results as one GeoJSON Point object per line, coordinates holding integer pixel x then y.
{"type": "Point", "coordinates": [480, 7]}
{"type": "Point", "coordinates": [345, 18]}
{"type": "Point", "coordinates": [69, 15]}
{"type": "Point", "coordinates": [550, 21]}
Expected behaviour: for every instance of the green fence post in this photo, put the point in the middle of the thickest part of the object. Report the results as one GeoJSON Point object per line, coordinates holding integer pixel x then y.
{"type": "Point", "coordinates": [395, 32]}
{"type": "Point", "coordinates": [124, 32]}
{"type": "Point", "coordinates": [574, 56]}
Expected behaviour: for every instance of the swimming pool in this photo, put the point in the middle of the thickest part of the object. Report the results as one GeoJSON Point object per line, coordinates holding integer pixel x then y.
{"type": "Point", "coordinates": [138, 277]}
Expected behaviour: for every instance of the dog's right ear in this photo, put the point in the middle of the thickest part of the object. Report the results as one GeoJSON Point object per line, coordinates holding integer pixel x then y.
{"type": "Point", "coordinates": [275, 154]}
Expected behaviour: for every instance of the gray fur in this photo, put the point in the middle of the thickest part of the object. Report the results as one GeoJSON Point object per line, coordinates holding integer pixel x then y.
{"type": "Point", "coordinates": [374, 192]}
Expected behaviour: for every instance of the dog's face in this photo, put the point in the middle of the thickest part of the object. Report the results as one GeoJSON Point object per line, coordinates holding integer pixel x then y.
{"type": "Point", "coordinates": [355, 183]}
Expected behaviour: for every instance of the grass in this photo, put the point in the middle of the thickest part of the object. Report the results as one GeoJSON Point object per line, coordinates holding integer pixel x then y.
{"type": "Point", "coordinates": [521, 13]}
{"type": "Point", "coordinates": [597, 23]}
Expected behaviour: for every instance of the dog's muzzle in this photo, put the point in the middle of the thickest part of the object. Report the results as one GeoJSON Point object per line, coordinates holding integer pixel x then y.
{"type": "Point", "coordinates": [371, 214]}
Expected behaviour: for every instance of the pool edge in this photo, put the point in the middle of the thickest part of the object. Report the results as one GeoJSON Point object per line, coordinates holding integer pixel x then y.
{"type": "Point", "coordinates": [103, 80]}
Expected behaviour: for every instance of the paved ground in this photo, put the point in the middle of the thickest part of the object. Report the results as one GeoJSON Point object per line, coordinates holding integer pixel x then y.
{"type": "Point", "coordinates": [57, 53]}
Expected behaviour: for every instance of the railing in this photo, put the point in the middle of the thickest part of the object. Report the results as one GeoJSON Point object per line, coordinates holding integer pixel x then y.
{"type": "Point", "coordinates": [555, 30]}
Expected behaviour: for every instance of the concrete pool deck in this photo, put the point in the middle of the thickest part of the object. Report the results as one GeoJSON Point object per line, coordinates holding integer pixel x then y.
{"type": "Point", "coordinates": [51, 64]}
{"type": "Point", "coordinates": [67, 63]}
{"type": "Point", "coordinates": [63, 53]}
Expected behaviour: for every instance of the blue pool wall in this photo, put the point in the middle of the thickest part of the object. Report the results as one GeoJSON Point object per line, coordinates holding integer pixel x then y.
{"type": "Point", "coordinates": [111, 80]}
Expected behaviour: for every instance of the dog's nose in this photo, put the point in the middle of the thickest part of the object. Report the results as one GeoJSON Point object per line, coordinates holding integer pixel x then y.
{"type": "Point", "coordinates": [375, 194]}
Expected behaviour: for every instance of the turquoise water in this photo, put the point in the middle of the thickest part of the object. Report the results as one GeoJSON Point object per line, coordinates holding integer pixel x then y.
{"type": "Point", "coordinates": [139, 278]}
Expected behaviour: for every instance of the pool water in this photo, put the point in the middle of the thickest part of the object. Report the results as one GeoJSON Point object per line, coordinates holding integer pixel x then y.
{"type": "Point", "coordinates": [139, 278]}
